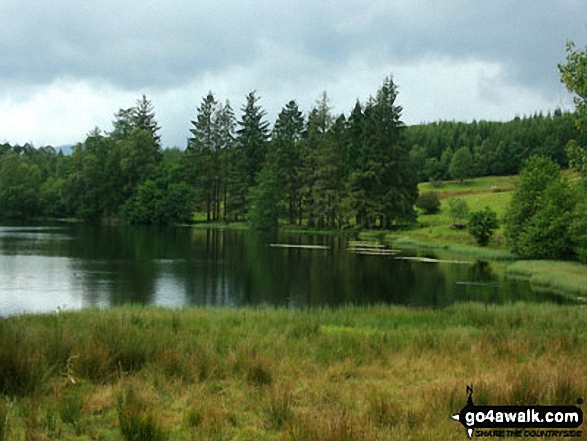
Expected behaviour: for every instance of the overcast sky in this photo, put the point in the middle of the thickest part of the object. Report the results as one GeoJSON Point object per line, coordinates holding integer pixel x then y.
{"type": "Point", "coordinates": [67, 66]}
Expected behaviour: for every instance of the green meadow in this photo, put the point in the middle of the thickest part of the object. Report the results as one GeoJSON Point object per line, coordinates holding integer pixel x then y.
{"type": "Point", "coordinates": [434, 232]}
{"type": "Point", "coordinates": [386, 373]}
{"type": "Point", "coordinates": [493, 191]}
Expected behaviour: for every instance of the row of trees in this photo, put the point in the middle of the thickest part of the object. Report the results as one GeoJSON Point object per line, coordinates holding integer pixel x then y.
{"type": "Point", "coordinates": [456, 150]}
{"type": "Point", "coordinates": [318, 170]}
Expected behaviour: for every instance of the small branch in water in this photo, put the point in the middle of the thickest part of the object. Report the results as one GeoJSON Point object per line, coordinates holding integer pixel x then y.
{"type": "Point", "coordinates": [309, 247]}
{"type": "Point", "coordinates": [478, 283]}
{"type": "Point", "coordinates": [430, 260]}
{"type": "Point", "coordinates": [374, 251]}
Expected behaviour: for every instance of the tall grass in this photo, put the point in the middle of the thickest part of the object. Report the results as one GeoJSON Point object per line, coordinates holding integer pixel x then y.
{"type": "Point", "coordinates": [344, 374]}
{"type": "Point", "coordinates": [3, 420]}
{"type": "Point", "coordinates": [561, 277]}
{"type": "Point", "coordinates": [137, 422]}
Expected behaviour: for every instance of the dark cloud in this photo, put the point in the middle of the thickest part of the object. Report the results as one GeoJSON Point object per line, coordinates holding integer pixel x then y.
{"type": "Point", "coordinates": [135, 44]}
{"type": "Point", "coordinates": [501, 54]}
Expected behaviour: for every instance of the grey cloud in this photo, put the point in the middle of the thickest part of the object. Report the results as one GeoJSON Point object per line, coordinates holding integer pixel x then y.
{"type": "Point", "coordinates": [177, 51]}
{"type": "Point", "coordinates": [138, 44]}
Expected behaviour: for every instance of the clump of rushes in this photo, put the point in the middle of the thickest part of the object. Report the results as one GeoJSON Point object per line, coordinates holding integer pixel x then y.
{"type": "Point", "coordinates": [21, 371]}
{"type": "Point", "coordinates": [137, 422]}
{"type": "Point", "coordinates": [339, 425]}
{"type": "Point", "coordinates": [258, 374]}
{"type": "Point", "coordinates": [206, 420]}
{"type": "Point", "coordinates": [3, 420]}
{"type": "Point", "coordinates": [382, 410]}
{"type": "Point", "coordinates": [70, 407]}
{"type": "Point", "coordinates": [279, 407]}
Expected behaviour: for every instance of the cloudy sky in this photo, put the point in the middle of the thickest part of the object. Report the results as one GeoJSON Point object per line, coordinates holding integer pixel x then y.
{"type": "Point", "coordinates": [67, 66]}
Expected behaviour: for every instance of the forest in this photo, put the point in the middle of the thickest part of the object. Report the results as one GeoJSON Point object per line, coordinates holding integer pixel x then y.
{"type": "Point", "coordinates": [322, 170]}
{"type": "Point", "coordinates": [318, 170]}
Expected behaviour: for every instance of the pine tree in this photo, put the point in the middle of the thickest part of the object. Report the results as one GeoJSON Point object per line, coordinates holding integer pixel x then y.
{"type": "Point", "coordinates": [353, 155]}
{"type": "Point", "coordinates": [328, 185]}
{"type": "Point", "coordinates": [284, 154]}
{"type": "Point", "coordinates": [313, 164]}
{"type": "Point", "coordinates": [248, 155]}
{"type": "Point", "coordinates": [386, 179]}
{"type": "Point", "coordinates": [265, 201]}
{"type": "Point", "coordinates": [252, 137]}
{"type": "Point", "coordinates": [144, 118]}
{"type": "Point", "coordinates": [225, 124]}
{"type": "Point", "coordinates": [203, 154]}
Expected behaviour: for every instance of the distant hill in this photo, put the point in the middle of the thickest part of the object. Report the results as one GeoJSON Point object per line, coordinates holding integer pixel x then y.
{"type": "Point", "coordinates": [65, 149]}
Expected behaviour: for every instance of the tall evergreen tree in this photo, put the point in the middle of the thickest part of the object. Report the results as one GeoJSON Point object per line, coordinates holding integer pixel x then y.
{"type": "Point", "coordinates": [265, 201]}
{"type": "Point", "coordinates": [144, 118]}
{"type": "Point", "coordinates": [225, 124]}
{"type": "Point", "coordinates": [202, 152]}
{"type": "Point", "coordinates": [284, 154]}
{"type": "Point", "coordinates": [328, 184]}
{"type": "Point", "coordinates": [386, 180]}
{"type": "Point", "coordinates": [139, 155]}
{"type": "Point", "coordinates": [252, 137]}
{"type": "Point", "coordinates": [353, 156]}
{"type": "Point", "coordinates": [312, 164]}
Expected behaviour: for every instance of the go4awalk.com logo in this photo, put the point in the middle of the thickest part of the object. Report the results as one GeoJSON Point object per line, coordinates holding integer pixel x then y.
{"type": "Point", "coordinates": [520, 421]}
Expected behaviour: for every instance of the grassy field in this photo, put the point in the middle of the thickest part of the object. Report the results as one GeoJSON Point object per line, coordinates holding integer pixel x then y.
{"type": "Point", "coordinates": [493, 191]}
{"type": "Point", "coordinates": [385, 373]}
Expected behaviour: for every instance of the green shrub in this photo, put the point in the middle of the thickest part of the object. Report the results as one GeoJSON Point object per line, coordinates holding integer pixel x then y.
{"type": "Point", "coordinates": [482, 224]}
{"type": "Point", "coordinates": [458, 210]}
{"type": "Point", "coordinates": [428, 202]}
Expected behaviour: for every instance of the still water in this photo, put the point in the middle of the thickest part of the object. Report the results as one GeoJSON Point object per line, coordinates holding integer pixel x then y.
{"type": "Point", "coordinates": [43, 268]}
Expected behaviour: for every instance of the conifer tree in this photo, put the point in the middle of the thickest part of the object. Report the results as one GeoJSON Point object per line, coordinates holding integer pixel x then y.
{"type": "Point", "coordinates": [386, 179]}
{"type": "Point", "coordinates": [203, 155]}
{"type": "Point", "coordinates": [144, 118]}
{"type": "Point", "coordinates": [284, 154]}
{"type": "Point", "coordinates": [252, 137]}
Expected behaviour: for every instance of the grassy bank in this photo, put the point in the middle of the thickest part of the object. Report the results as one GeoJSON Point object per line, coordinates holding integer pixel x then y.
{"type": "Point", "coordinates": [213, 374]}
{"type": "Point", "coordinates": [557, 276]}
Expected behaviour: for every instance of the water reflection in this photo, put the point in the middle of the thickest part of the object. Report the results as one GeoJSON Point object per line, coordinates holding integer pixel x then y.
{"type": "Point", "coordinates": [42, 268]}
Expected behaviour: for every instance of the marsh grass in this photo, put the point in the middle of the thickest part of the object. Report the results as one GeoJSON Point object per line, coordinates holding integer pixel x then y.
{"type": "Point", "coordinates": [279, 407]}
{"type": "Point", "coordinates": [332, 426]}
{"type": "Point", "coordinates": [137, 421]}
{"type": "Point", "coordinates": [3, 420]}
{"type": "Point", "coordinates": [70, 407]}
{"type": "Point", "coordinates": [557, 276]}
{"type": "Point", "coordinates": [271, 374]}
